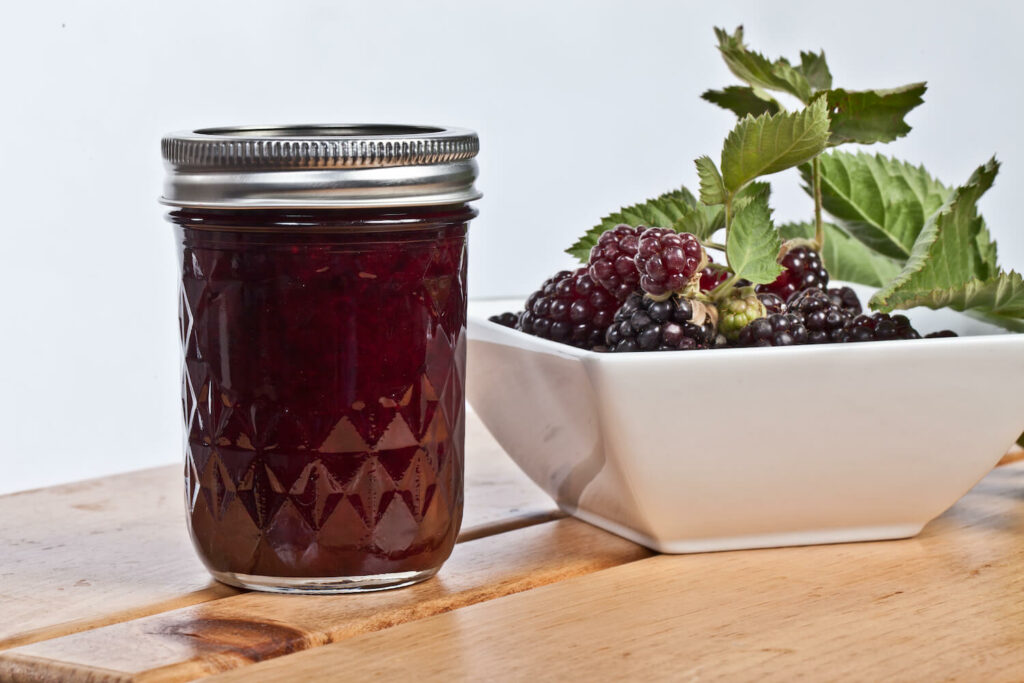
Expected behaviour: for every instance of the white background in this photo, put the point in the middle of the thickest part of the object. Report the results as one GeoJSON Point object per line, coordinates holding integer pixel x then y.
{"type": "Point", "coordinates": [581, 107]}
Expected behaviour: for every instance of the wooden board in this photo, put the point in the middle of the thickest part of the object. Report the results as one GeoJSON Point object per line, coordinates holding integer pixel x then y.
{"type": "Point", "coordinates": [948, 605]}
{"type": "Point", "coordinates": [185, 644]}
{"type": "Point", "coordinates": [108, 550]}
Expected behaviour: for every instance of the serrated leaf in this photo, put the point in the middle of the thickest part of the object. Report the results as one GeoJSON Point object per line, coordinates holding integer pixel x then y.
{"type": "Point", "coordinates": [757, 70]}
{"type": "Point", "coordinates": [661, 211]}
{"type": "Point", "coordinates": [815, 69]}
{"type": "Point", "coordinates": [951, 263]}
{"type": "Point", "coordinates": [704, 221]}
{"type": "Point", "coordinates": [712, 191]}
{"type": "Point", "coordinates": [772, 143]}
{"type": "Point", "coordinates": [999, 299]}
{"type": "Point", "coordinates": [882, 202]}
{"type": "Point", "coordinates": [753, 243]}
{"type": "Point", "coordinates": [870, 116]}
{"type": "Point", "coordinates": [845, 258]}
{"type": "Point", "coordinates": [756, 191]}
{"type": "Point", "coordinates": [742, 100]}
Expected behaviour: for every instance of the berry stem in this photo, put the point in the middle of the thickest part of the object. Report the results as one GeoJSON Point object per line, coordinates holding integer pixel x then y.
{"type": "Point", "coordinates": [819, 227]}
{"type": "Point", "coordinates": [708, 244]}
{"type": "Point", "coordinates": [723, 290]}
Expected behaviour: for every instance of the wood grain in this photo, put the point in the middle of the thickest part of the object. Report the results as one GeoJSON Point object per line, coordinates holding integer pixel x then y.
{"type": "Point", "coordinates": [188, 643]}
{"type": "Point", "coordinates": [108, 550]}
{"type": "Point", "coordinates": [948, 605]}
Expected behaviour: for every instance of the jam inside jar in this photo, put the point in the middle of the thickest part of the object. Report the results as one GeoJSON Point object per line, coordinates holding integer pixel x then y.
{"type": "Point", "coordinates": [324, 364]}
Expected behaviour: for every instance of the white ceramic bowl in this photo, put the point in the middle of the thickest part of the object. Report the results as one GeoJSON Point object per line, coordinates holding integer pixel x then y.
{"type": "Point", "coordinates": [745, 448]}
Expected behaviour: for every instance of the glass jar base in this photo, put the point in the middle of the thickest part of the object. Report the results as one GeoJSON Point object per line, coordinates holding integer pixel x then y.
{"type": "Point", "coordinates": [330, 585]}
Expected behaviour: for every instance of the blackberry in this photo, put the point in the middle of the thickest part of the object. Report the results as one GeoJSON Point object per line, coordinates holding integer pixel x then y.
{"type": "Point", "coordinates": [772, 303]}
{"type": "Point", "coordinates": [803, 269]}
{"type": "Point", "coordinates": [611, 260]}
{"type": "Point", "coordinates": [668, 260]}
{"type": "Point", "coordinates": [505, 319]}
{"type": "Point", "coordinates": [569, 308]}
{"type": "Point", "coordinates": [778, 329]}
{"type": "Point", "coordinates": [738, 312]}
{"type": "Point", "coordinates": [941, 333]}
{"type": "Point", "coordinates": [846, 298]}
{"type": "Point", "coordinates": [677, 323]}
{"type": "Point", "coordinates": [879, 327]}
{"type": "Point", "coordinates": [824, 319]}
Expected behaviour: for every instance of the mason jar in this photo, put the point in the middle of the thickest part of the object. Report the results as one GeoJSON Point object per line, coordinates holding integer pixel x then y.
{"type": "Point", "coordinates": [323, 320]}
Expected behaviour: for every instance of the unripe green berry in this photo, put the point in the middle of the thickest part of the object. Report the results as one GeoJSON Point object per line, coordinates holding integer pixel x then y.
{"type": "Point", "coordinates": [737, 312]}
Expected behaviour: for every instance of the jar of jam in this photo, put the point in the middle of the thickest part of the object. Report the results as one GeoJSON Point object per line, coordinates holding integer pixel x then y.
{"type": "Point", "coordinates": [323, 319]}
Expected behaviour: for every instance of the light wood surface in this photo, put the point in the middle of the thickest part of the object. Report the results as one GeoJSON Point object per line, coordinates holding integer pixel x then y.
{"type": "Point", "coordinates": [108, 550]}
{"type": "Point", "coordinates": [185, 644]}
{"type": "Point", "coordinates": [948, 605]}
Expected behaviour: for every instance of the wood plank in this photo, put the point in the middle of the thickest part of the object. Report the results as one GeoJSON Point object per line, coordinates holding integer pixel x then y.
{"type": "Point", "coordinates": [188, 643]}
{"type": "Point", "coordinates": [103, 551]}
{"type": "Point", "coordinates": [948, 605]}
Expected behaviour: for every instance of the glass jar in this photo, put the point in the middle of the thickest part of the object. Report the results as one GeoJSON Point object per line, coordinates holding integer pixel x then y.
{"type": "Point", "coordinates": [323, 317]}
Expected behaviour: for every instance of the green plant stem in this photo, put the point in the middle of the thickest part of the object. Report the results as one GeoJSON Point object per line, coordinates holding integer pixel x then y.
{"type": "Point", "coordinates": [723, 290]}
{"type": "Point", "coordinates": [819, 226]}
{"type": "Point", "coordinates": [713, 245]}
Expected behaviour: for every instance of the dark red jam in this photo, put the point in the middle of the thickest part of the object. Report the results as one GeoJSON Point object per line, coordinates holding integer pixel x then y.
{"type": "Point", "coordinates": [324, 355]}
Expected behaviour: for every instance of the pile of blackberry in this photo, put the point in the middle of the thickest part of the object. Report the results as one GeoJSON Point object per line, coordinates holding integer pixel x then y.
{"type": "Point", "coordinates": [646, 289]}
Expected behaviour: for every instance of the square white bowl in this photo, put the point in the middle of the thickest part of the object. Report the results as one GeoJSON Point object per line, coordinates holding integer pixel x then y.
{"type": "Point", "coordinates": [746, 448]}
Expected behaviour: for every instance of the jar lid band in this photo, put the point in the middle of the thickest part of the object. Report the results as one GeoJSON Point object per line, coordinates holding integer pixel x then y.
{"type": "Point", "coordinates": [320, 166]}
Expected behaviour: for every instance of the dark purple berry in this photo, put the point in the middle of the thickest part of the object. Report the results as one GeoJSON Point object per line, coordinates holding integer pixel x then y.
{"type": "Point", "coordinates": [674, 324]}
{"type": "Point", "coordinates": [824, 319]}
{"type": "Point", "coordinates": [879, 327]}
{"type": "Point", "coordinates": [569, 308]}
{"type": "Point", "coordinates": [611, 260]}
{"type": "Point", "coordinates": [667, 260]}
{"type": "Point", "coordinates": [940, 334]}
{"type": "Point", "coordinates": [845, 298]}
{"type": "Point", "coordinates": [778, 329]}
{"type": "Point", "coordinates": [505, 319]}
{"type": "Point", "coordinates": [773, 303]}
{"type": "Point", "coordinates": [803, 269]}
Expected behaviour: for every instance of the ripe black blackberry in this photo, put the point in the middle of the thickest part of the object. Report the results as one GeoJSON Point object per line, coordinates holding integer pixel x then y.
{"type": "Point", "coordinates": [778, 329]}
{"type": "Point", "coordinates": [668, 260]}
{"type": "Point", "coordinates": [506, 319]}
{"type": "Point", "coordinates": [643, 324]}
{"type": "Point", "coordinates": [824, 319]}
{"type": "Point", "coordinates": [940, 334]}
{"type": "Point", "coordinates": [569, 308]}
{"type": "Point", "coordinates": [879, 327]}
{"type": "Point", "coordinates": [773, 303]}
{"type": "Point", "coordinates": [803, 269]}
{"type": "Point", "coordinates": [846, 298]}
{"type": "Point", "coordinates": [611, 261]}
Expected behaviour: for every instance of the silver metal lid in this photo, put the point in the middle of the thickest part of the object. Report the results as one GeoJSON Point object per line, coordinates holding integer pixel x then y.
{"type": "Point", "coordinates": [320, 166]}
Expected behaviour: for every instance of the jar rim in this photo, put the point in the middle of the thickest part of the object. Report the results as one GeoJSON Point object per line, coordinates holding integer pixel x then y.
{"type": "Point", "coordinates": [320, 166]}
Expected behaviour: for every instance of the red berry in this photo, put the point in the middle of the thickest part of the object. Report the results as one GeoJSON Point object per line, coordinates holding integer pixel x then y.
{"type": "Point", "coordinates": [668, 260]}
{"type": "Point", "coordinates": [611, 260]}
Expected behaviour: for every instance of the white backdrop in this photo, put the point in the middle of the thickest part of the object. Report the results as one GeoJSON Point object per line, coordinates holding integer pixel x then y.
{"type": "Point", "coordinates": [581, 107]}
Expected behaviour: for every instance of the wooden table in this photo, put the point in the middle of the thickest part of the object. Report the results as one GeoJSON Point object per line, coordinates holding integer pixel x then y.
{"type": "Point", "coordinates": [98, 582]}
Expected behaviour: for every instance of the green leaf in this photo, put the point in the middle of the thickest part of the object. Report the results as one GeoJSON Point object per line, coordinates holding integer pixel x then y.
{"type": "Point", "coordinates": [952, 261]}
{"type": "Point", "coordinates": [870, 116]}
{"type": "Point", "coordinates": [711, 189]}
{"type": "Point", "coordinates": [815, 70]}
{"type": "Point", "coordinates": [845, 258]}
{"type": "Point", "coordinates": [882, 202]}
{"type": "Point", "coordinates": [742, 100]}
{"type": "Point", "coordinates": [661, 211]}
{"type": "Point", "coordinates": [704, 221]}
{"type": "Point", "coordinates": [753, 244]}
{"type": "Point", "coordinates": [771, 143]}
{"type": "Point", "coordinates": [757, 70]}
